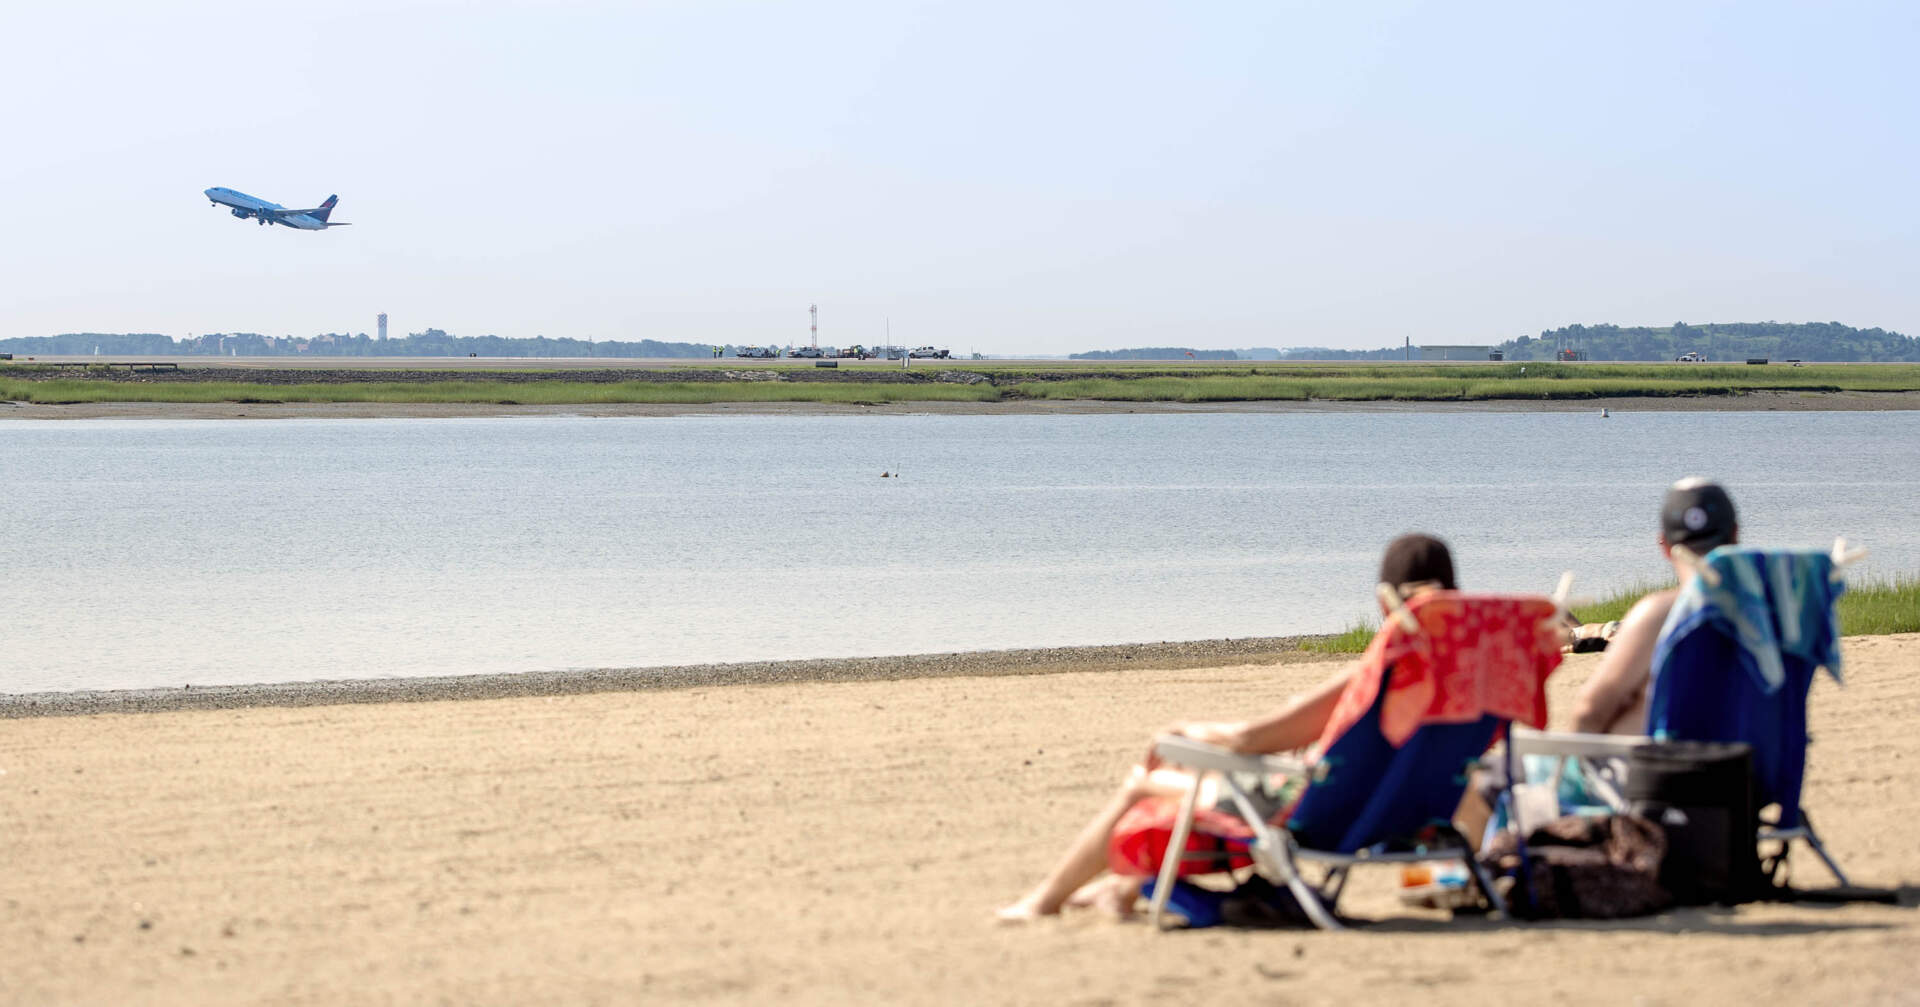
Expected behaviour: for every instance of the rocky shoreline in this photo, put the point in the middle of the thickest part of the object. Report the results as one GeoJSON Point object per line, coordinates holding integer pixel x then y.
{"type": "Point", "coordinates": [1036, 661]}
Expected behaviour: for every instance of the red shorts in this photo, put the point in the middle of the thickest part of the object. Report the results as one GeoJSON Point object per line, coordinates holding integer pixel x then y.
{"type": "Point", "coordinates": [1141, 837]}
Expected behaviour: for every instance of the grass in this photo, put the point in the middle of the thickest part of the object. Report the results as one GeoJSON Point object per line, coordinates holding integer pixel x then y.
{"type": "Point", "coordinates": [1468, 383]}
{"type": "Point", "coordinates": [65, 391]}
{"type": "Point", "coordinates": [1881, 606]}
{"type": "Point", "coordinates": [1615, 605]}
{"type": "Point", "coordinates": [1353, 641]}
{"type": "Point", "coordinates": [1871, 607]}
{"type": "Point", "coordinates": [1146, 381]}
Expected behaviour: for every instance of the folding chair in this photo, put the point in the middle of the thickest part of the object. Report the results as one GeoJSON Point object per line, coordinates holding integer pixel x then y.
{"type": "Point", "coordinates": [1367, 797]}
{"type": "Point", "coordinates": [1707, 686]}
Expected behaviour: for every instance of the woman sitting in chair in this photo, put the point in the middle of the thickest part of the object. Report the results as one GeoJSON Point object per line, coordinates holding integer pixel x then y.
{"type": "Point", "coordinates": [1413, 564]}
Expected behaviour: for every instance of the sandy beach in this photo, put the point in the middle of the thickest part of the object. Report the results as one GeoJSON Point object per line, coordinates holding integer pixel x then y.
{"type": "Point", "coordinates": [801, 841]}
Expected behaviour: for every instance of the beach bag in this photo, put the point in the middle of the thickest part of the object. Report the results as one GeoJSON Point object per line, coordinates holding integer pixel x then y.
{"type": "Point", "coordinates": [1579, 867]}
{"type": "Point", "coordinates": [1702, 794]}
{"type": "Point", "coordinates": [1256, 903]}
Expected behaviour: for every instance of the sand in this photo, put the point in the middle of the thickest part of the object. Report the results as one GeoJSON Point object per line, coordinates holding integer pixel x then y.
{"type": "Point", "coordinates": [820, 842]}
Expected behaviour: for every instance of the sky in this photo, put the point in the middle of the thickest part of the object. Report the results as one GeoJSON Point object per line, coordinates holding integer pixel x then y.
{"type": "Point", "coordinates": [1006, 178]}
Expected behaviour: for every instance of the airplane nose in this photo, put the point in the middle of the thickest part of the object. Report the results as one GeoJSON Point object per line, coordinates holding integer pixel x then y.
{"type": "Point", "coordinates": [208, 193]}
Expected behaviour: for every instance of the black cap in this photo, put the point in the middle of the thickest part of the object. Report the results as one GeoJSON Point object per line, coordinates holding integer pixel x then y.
{"type": "Point", "coordinates": [1698, 514]}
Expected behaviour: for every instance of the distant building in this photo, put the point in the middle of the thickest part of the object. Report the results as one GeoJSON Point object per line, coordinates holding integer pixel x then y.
{"type": "Point", "coordinates": [1454, 352]}
{"type": "Point", "coordinates": [383, 325]}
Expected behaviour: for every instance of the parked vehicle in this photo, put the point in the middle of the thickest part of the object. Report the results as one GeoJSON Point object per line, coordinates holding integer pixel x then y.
{"type": "Point", "coordinates": [757, 352]}
{"type": "Point", "coordinates": [806, 351]}
{"type": "Point", "coordinates": [1690, 358]}
{"type": "Point", "coordinates": [855, 352]}
{"type": "Point", "coordinates": [928, 351]}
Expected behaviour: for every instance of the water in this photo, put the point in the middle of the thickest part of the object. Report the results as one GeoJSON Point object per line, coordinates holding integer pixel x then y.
{"type": "Point", "coordinates": [159, 553]}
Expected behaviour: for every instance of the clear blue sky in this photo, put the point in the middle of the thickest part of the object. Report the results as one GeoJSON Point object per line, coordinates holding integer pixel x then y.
{"type": "Point", "coordinates": [1001, 177]}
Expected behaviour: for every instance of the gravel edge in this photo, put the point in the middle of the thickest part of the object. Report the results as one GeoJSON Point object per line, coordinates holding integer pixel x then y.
{"type": "Point", "coordinates": [1039, 661]}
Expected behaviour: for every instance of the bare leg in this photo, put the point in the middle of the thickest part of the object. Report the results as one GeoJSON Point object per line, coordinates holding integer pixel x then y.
{"type": "Point", "coordinates": [1472, 814]}
{"type": "Point", "coordinates": [1087, 857]}
{"type": "Point", "coordinates": [1114, 894]}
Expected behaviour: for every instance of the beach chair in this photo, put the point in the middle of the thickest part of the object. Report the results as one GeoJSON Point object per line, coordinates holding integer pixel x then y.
{"type": "Point", "coordinates": [1734, 663]}
{"type": "Point", "coordinates": [1440, 681]}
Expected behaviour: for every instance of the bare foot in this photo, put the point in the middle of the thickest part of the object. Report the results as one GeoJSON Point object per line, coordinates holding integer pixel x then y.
{"type": "Point", "coordinates": [1024, 911]}
{"type": "Point", "coordinates": [1089, 893]}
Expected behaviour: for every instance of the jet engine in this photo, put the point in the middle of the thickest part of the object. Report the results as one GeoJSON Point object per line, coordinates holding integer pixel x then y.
{"type": "Point", "coordinates": [242, 214]}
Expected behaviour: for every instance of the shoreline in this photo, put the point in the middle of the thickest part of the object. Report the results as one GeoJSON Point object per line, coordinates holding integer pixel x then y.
{"type": "Point", "coordinates": [1171, 655]}
{"type": "Point", "coordinates": [1754, 401]}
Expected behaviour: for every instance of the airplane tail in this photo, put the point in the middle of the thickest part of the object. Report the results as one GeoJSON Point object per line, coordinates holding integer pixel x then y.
{"type": "Point", "coordinates": [326, 208]}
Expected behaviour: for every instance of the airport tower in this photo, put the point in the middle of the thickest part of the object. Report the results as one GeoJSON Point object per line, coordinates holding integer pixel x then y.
{"type": "Point", "coordinates": [382, 317]}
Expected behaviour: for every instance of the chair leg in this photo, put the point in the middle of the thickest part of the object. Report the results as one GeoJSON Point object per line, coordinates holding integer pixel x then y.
{"type": "Point", "coordinates": [1335, 883]}
{"type": "Point", "coordinates": [1304, 894]}
{"type": "Point", "coordinates": [1485, 881]}
{"type": "Point", "coordinates": [1820, 850]}
{"type": "Point", "coordinates": [1170, 862]}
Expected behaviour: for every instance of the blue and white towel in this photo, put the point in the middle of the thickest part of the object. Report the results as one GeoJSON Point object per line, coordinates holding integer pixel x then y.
{"type": "Point", "coordinates": [1770, 602]}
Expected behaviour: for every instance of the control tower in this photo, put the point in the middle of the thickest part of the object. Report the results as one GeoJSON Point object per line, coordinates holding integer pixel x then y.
{"type": "Point", "coordinates": [383, 325]}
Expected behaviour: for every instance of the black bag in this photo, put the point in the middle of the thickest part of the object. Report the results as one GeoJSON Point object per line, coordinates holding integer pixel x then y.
{"type": "Point", "coordinates": [1576, 867]}
{"type": "Point", "coordinates": [1702, 793]}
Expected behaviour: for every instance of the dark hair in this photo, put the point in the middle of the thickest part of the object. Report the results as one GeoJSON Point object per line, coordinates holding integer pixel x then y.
{"type": "Point", "coordinates": [1699, 515]}
{"type": "Point", "coordinates": [1413, 558]}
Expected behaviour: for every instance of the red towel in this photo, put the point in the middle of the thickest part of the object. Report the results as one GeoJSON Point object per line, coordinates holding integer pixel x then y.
{"type": "Point", "coordinates": [1474, 655]}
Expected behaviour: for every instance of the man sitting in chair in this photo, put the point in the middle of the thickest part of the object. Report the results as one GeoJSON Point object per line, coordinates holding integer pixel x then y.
{"type": "Point", "coordinates": [1696, 517]}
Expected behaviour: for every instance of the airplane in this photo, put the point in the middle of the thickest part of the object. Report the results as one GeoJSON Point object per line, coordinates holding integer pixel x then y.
{"type": "Point", "coordinates": [265, 213]}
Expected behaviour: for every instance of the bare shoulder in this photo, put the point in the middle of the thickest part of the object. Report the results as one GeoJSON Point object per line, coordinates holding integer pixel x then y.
{"type": "Point", "coordinates": [1610, 699]}
{"type": "Point", "coordinates": [1650, 610]}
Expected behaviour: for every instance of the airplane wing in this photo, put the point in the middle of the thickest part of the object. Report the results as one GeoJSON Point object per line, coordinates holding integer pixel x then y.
{"type": "Point", "coordinates": [289, 213]}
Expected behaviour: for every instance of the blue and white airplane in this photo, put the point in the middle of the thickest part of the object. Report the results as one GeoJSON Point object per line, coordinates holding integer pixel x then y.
{"type": "Point", "coordinates": [264, 213]}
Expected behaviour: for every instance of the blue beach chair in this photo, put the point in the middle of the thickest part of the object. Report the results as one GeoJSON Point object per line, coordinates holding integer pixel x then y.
{"type": "Point", "coordinates": [1366, 801]}
{"type": "Point", "coordinates": [1734, 663]}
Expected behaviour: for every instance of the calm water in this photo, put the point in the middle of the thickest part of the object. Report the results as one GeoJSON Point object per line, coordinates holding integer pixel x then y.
{"type": "Point", "coordinates": [154, 553]}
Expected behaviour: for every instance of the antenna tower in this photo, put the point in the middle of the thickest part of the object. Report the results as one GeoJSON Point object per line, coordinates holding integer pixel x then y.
{"type": "Point", "coordinates": [813, 319]}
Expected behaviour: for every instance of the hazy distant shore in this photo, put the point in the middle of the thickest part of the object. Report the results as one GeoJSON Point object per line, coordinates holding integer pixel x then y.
{"type": "Point", "coordinates": [1758, 401]}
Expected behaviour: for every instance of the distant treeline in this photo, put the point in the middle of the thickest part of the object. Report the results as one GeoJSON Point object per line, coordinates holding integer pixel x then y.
{"type": "Point", "coordinates": [1157, 353]}
{"type": "Point", "coordinates": [431, 343]}
{"type": "Point", "coordinates": [1723, 341]}
{"type": "Point", "coordinates": [1720, 341]}
{"type": "Point", "coordinates": [1325, 353]}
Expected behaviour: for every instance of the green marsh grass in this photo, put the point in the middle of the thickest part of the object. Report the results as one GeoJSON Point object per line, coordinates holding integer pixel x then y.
{"type": "Point", "coordinates": [1872, 606]}
{"type": "Point", "coordinates": [1463, 383]}
{"type": "Point", "coordinates": [1614, 606]}
{"type": "Point", "coordinates": [1145, 381]}
{"type": "Point", "coordinates": [1353, 641]}
{"type": "Point", "coordinates": [494, 392]}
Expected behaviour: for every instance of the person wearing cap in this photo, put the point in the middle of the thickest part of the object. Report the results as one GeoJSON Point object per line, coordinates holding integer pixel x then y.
{"type": "Point", "coordinates": [1696, 517]}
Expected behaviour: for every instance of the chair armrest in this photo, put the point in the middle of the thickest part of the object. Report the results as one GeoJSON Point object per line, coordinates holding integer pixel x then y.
{"type": "Point", "coordinates": [1183, 751]}
{"type": "Point", "coordinates": [1526, 741]}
